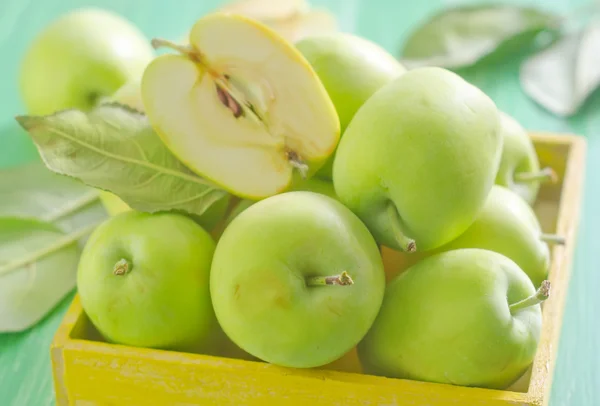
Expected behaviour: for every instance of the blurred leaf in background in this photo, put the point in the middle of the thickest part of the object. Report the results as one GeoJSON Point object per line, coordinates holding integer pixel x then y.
{"type": "Point", "coordinates": [44, 220]}
{"type": "Point", "coordinates": [464, 35]}
{"type": "Point", "coordinates": [561, 78]}
{"type": "Point", "coordinates": [560, 70]}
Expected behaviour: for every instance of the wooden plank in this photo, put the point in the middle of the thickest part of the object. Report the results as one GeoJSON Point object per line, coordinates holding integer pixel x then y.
{"type": "Point", "coordinates": [569, 207]}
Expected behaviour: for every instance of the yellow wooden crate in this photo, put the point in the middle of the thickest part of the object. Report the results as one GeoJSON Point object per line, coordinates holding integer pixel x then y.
{"type": "Point", "coordinates": [88, 371]}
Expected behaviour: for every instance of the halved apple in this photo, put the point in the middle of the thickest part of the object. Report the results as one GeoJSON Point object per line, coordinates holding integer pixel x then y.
{"type": "Point", "coordinates": [306, 24]}
{"type": "Point", "coordinates": [265, 10]}
{"type": "Point", "coordinates": [240, 106]}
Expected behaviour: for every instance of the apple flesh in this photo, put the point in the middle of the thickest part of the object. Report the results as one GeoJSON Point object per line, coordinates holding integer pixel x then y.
{"type": "Point", "coordinates": [352, 69]}
{"type": "Point", "coordinates": [297, 280]}
{"type": "Point", "coordinates": [519, 166]}
{"type": "Point", "coordinates": [467, 317]}
{"type": "Point", "coordinates": [419, 158]}
{"type": "Point", "coordinates": [80, 58]}
{"type": "Point", "coordinates": [507, 225]}
{"type": "Point", "coordinates": [224, 108]}
{"type": "Point", "coordinates": [143, 280]}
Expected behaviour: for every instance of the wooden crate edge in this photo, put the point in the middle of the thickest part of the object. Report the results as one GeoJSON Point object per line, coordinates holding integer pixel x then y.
{"type": "Point", "coordinates": [562, 259]}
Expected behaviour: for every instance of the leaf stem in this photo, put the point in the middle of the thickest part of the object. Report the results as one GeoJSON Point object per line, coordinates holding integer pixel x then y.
{"type": "Point", "coordinates": [538, 297]}
{"type": "Point", "coordinates": [58, 244]}
{"type": "Point", "coordinates": [545, 175]}
{"type": "Point", "coordinates": [406, 244]}
{"type": "Point", "coordinates": [342, 279]}
{"type": "Point", "coordinates": [73, 206]}
{"type": "Point", "coordinates": [553, 239]}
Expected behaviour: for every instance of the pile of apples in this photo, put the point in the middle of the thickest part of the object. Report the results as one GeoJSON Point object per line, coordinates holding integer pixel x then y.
{"type": "Point", "coordinates": [376, 209]}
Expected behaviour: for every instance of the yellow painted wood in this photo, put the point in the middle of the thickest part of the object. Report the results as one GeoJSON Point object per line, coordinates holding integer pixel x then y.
{"type": "Point", "coordinates": [89, 372]}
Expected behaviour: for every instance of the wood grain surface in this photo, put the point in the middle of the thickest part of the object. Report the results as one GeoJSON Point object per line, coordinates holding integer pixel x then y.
{"type": "Point", "coordinates": [25, 375]}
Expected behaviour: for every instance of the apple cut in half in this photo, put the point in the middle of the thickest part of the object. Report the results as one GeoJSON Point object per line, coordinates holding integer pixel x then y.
{"type": "Point", "coordinates": [240, 106]}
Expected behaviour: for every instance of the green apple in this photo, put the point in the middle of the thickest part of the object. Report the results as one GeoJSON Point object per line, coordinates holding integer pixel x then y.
{"type": "Point", "coordinates": [224, 108]}
{"type": "Point", "coordinates": [143, 280]}
{"type": "Point", "coordinates": [519, 166]}
{"type": "Point", "coordinates": [467, 317]}
{"type": "Point", "coordinates": [130, 95]}
{"type": "Point", "coordinates": [507, 225]}
{"type": "Point", "coordinates": [80, 58]}
{"type": "Point", "coordinates": [113, 203]}
{"type": "Point", "coordinates": [313, 184]}
{"type": "Point", "coordinates": [297, 280]}
{"type": "Point", "coordinates": [352, 68]}
{"type": "Point", "coordinates": [419, 158]}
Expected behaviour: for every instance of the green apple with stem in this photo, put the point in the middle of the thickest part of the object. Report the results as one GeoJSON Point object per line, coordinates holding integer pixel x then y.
{"type": "Point", "coordinates": [224, 108]}
{"type": "Point", "coordinates": [297, 280]}
{"type": "Point", "coordinates": [506, 224]}
{"type": "Point", "coordinates": [419, 158]}
{"type": "Point", "coordinates": [519, 166]}
{"type": "Point", "coordinates": [143, 280]}
{"type": "Point", "coordinates": [80, 58]}
{"type": "Point", "coordinates": [467, 317]}
{"type": "Point", "coordinates": [352, 68]}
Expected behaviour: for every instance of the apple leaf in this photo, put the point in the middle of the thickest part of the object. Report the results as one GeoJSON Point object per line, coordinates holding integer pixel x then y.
{"type": "Point", "coordinates": [462, 36]}
{"type": "Point", "coordinates": [114, 148]}
{"type": "Point", "coordinates": [38, 266]}
{"type": "Point", "coordinates": [562, 77]}
{"type": "Point", "coordinates": [31, 190]}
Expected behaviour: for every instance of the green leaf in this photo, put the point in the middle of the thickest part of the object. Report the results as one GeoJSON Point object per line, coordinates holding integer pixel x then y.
{"type": "Point", "coordinates": [32, 190]}
{"type": "Point", "coordinates": [115, 148]}
{"type": "Point", "coordinates": [38, 266]}
{"type": "Point", "coordinates": [561, 78]}
{"type": "Point", "coordinates": [462, 36]}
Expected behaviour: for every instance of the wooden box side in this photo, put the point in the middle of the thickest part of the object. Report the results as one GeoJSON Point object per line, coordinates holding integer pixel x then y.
{"type": "Point", "coordinates": [99, 373]}
{"type": "Point", "coordinates": [103, 374]}
{"type": "Point", "coordinates": [569, 192]}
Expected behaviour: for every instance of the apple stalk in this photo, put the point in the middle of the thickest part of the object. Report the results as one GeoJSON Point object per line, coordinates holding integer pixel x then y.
{"type": "Point", "coordinates": [544, 175]}
{"type": "Point", "coordinates": [553, 239]}
{"type": "Point", "coordinates": [122, 267]}
{"type": "Point", "coordinates": [342, 279]}
{"type": "Point", "coordinates": [407, 244]}
{"type": "Point", "coordinates": [538, 297]}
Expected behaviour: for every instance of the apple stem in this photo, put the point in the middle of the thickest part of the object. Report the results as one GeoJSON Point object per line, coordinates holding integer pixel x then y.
{"type": "Point", "coordinates": [545, 175]}
{"type": "Point", "coordinates": [342, 279]}
{"type": "Point", "coordinates": [297, 163]}
{"type": "Point", "coordinates": [538, 297]}
{"type": "Point", "coordinates": [122, 267]}
{"type": "Point", "coordinates": [553, 239]}
{"type": "Point", "coordinates": [407, 244]}
{"type": "Point", "coordinates": [184, 49]}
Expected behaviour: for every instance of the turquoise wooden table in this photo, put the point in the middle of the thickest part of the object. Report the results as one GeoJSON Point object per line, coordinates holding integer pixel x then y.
{"type": "Point", "coordinates": [25, 375]}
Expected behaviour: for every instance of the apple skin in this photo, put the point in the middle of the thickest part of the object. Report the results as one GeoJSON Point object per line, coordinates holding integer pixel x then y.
{"type": "Point", "coordinates": [163, 301]}
{"type": "Point", "coordinates": [518, 155]}
{"type": "Point", "coordinates": [80, 57]}
{"type": "Point", "coordinates": [507, 225]}
{"type": "Point", "coordinates": [447, 320]}
{"type": "Point", "coordinates": [112, 203]}
{"type": "Point", "coordinates": [426, 145]}
{"type": "Point", "coordinates": [259, 272]}
{"type": "Point", "coordinates": [352, 69]}
{"type": "Point", "coordinates": [313, 184]}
